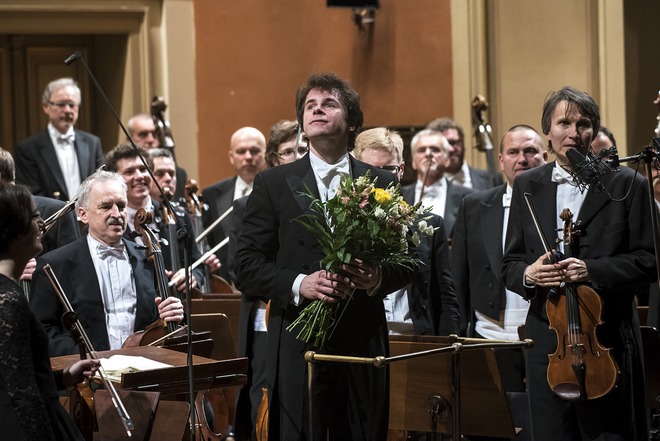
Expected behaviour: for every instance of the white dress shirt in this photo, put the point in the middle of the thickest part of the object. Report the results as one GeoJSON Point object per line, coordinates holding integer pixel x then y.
{"type": "Point", "coordinates": [115, 277]}
{"type": "Point", "coordinates": [328, 177]}
{"type": "Point", "coordinates": [241, 188]}
{"type": "Point", "coordinates": [435, 196]}
{"type": "Point", "coordinates": [513, 312]}
{"type": "Point", "coordinates": [67, 158]}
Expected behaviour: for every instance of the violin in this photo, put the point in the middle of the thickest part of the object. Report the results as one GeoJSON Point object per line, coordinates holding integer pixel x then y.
{"type": "Point", "coordinates": [581, 368]}
{"type": "Point", "coordinates": [482, 133]}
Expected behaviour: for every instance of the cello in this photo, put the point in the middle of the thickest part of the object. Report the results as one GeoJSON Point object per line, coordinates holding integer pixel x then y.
{"type": "Point", "coordinates": [482, 132]}
{"type": "Point", "coordinates": [581, 368]}
{"type": "Point", "coordinates": [159, 330]}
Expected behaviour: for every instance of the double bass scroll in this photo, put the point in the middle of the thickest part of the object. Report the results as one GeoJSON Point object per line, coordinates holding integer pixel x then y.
{"type": "Point", "coordinates": [482, 134]}
{"type": "Point", "coordinates": [158, 107]}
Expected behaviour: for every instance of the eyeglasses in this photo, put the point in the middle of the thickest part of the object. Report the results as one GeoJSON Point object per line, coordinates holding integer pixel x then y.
{"type": "Point", "coordinates": [434, 149]}
{"type": "Point", "coordinates": [393, 168]}
{"type": "Point", "coordinates": [288, 152]}
{"type": "Point", "coordinates": [145, 133]}
{"type": "Point", "coordinates": [64, 104]}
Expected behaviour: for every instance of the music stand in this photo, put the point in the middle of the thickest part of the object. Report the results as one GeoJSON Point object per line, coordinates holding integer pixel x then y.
{"type": "Point", "coordinates": [172, 380]}
{"type": "Point", "coordinates": [430, 381]}
{"type": "Point", "coordinates": [418, 383]}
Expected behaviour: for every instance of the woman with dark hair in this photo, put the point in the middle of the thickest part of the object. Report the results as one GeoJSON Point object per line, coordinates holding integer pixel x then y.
{"type": "Point", "coordinates": [285, 144]}
{"type": "Point", "coordinates": [29, 401]}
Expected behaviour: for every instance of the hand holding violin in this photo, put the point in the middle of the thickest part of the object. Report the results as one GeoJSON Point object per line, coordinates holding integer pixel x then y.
{"type": "Point", "coordinates": [575, 270]}
{"type": "Point", "coordinates": [542, 273]}
{"type": "Point", "coordinates": [170, 309]}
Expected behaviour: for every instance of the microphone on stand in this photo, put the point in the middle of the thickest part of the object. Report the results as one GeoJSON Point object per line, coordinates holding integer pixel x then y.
{"type": "Point", "coordinates": [73, 57]}
{"type": "Point", "coordinates": [587, 170]}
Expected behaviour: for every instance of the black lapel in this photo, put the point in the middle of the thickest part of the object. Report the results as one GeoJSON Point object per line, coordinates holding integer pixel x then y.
{"type": "Point", "coordinates": [47, 152]}
{"type": "Point", "coordinates": [302, 182]}
{"type": "Point", "coordinates": [83, 151]}
{"type": "Point", "coordinates": [492, 223]}
{"type": "Point", "coordinates": [544, 196]}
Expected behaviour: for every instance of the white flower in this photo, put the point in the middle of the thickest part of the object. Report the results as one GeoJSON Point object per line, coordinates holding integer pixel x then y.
{"type": "Point", "coordinates": [380, 213]}
{"type": "Point", "coordinates": [415, 238]}
{"type": "Point", "coordinates": [428, 231]}
{"type": "Point", "coordinates": [422, 225]}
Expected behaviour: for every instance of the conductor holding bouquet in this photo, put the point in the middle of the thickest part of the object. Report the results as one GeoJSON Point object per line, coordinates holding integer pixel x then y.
{"type": "Point", "coordinates": [279, 258]}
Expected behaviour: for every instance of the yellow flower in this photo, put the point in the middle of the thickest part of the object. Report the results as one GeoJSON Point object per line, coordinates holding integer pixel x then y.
{"type": "Point", "coordinates": [382, 195]}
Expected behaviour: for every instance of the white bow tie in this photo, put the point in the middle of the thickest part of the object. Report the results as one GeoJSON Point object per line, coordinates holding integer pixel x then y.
{"type": "Point", "coordinates": [506, 200]}
{"type": "Point", "coordinates": [105, 251]}
{"type": "Point", "coordinates": [68, 137]}
{"type": "Point", "coordinates": [562, 177]}
{"type": "Point", "coordinates": [327, 171]}
{"type": "Point", "coordinates": [431, 192]}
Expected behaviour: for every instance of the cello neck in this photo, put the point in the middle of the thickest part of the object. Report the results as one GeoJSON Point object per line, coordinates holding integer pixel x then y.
{"type": "Point", "coordinates": [482, 134]}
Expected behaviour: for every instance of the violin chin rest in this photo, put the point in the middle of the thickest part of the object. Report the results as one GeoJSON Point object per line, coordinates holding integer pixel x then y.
{"type": "Point", "coordinates": [567, 391]}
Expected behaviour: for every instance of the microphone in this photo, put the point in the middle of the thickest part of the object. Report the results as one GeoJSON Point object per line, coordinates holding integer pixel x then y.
{"type": "Point", "coordinates": [587, 169]}
{"type": "Point", "coordinates": [73, 57]}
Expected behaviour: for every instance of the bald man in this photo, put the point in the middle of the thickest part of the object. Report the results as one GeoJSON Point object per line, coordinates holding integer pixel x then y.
{"type": "Point", "coordinates": [247, 148]}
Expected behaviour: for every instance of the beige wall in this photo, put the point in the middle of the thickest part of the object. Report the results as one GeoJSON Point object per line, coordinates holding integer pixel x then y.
{"type": "Point", "coordinates": [253, 55]}
{"type": "Point", "coordinates": [221, 65]}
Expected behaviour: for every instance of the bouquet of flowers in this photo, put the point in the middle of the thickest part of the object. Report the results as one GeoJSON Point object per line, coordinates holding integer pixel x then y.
{"type": "Point", "coordinates": [364, 222]}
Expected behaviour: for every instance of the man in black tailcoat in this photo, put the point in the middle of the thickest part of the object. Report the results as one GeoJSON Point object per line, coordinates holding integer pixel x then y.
{"type": "Point", "coordinates": [279, 259]}
{"type": "Point", "coordinates": [614, 257]}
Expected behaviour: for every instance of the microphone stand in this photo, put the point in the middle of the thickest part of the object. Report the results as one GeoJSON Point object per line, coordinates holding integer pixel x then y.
{"type": "Point", "coordinates": [182, 234]}
{"type": "Point", "coordinates": [650, 153]}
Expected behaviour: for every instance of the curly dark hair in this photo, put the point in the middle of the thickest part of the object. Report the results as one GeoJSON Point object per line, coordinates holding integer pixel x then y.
{"type": "Point", "coordinates": [15, 214]}
{"type": "Point", "coordinates": [122, 151]}
{"type": "Point", "coordinates": [331, 82]}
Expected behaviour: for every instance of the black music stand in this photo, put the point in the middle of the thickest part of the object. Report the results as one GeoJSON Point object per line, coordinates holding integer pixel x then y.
{"type": "Point", "coordinates": [417, 384]}
{"type": "Point", "coordinates": [431, 380]}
